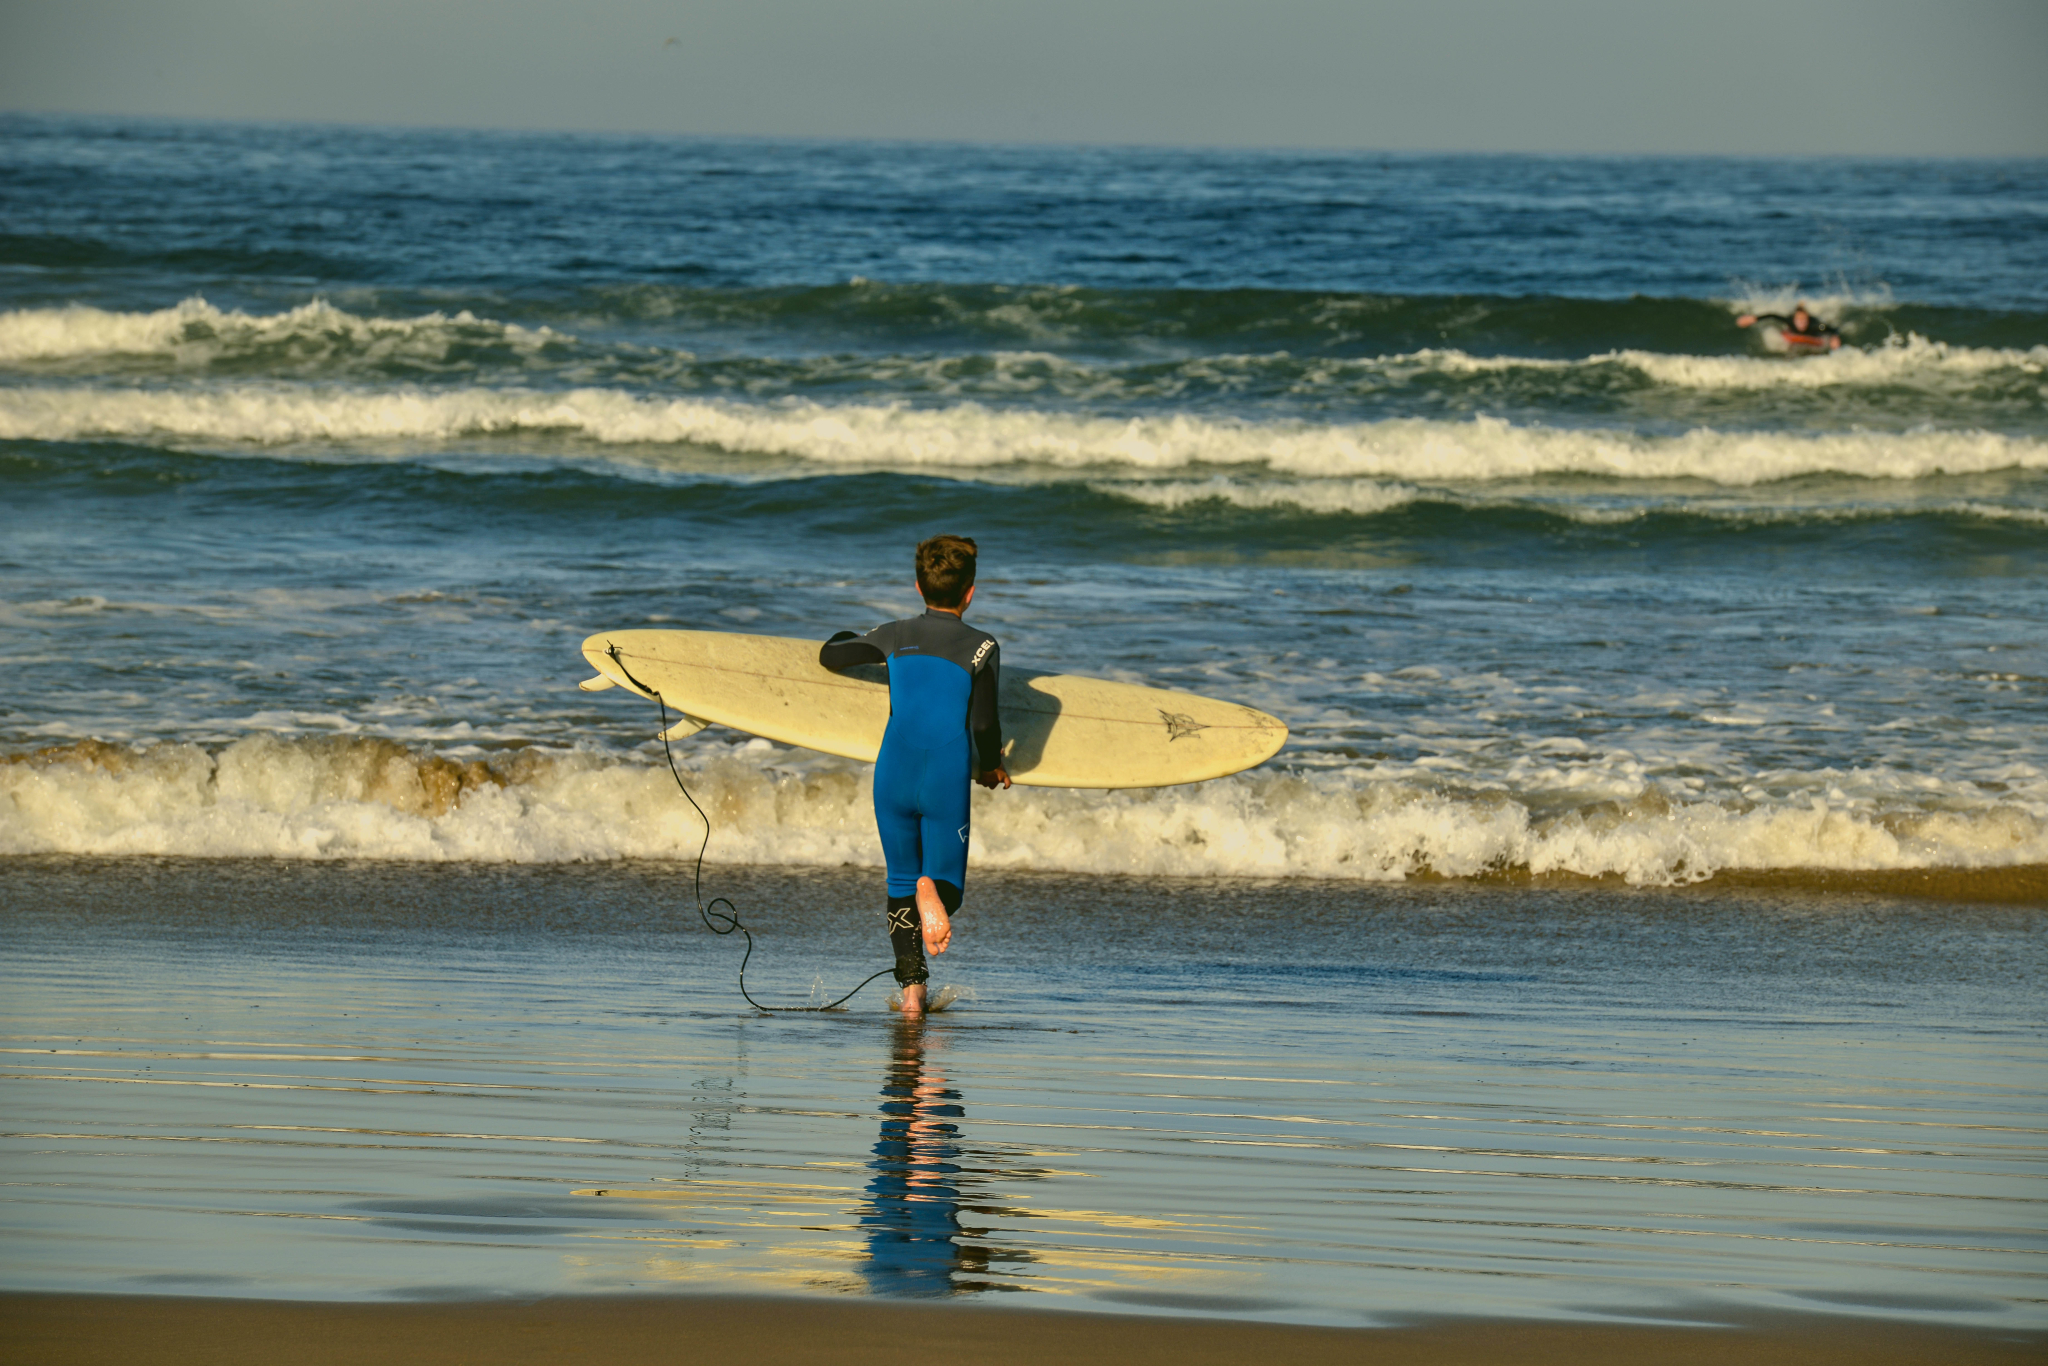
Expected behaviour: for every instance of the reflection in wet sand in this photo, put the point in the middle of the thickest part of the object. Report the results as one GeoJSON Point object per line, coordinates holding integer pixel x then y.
{"type": "Point", "coordinates": [912, 1222]}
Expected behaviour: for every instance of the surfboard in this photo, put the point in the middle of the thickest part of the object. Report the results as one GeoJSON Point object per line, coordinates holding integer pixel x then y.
{"type": "Point", "coordinates": [1802, 343]}
{"type": "Point", "coordinates": [1059, 730]}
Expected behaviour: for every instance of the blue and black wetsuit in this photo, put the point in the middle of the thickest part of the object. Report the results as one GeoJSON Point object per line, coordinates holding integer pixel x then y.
{"type": "Point", "coordinates": [943, 730]}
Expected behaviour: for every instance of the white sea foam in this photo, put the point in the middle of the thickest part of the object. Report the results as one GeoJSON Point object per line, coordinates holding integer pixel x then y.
{"type": "Point", "coordinates": [974, 437]}
{"type": "Point", "coordinates": [1909, 361]}
{"type": "Point", "coordinates": [194, 333]}
{"type": "Point", "coordinates": [1832, 299]}
{"type": "Point", "coordinates": [368, 798]}
{"type": "Point", "coordinates": [1365, 497]}
{"type": "Point", "coordinates": [1357, 497]}
{"type": "Point", "coordinates": [1992, 512]}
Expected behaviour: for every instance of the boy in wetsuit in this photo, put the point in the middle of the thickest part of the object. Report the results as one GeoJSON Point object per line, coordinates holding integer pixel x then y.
{"type": "Point", "coordinates": [943, 733]}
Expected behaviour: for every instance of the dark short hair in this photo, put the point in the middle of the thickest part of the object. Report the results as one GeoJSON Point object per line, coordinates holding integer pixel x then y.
{"type": "Point", "coordinates": [945, 569]}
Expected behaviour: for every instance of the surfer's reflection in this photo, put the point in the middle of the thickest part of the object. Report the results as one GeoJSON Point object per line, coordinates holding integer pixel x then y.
{"type": "Point", "coordinates": [913, 1216]}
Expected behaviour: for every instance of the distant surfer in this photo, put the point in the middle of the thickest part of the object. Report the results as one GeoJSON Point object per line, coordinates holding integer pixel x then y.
{"type": "Point", "coordinates": [1802, 330]}
{"type": "Point", "coordinates": [943, 732]}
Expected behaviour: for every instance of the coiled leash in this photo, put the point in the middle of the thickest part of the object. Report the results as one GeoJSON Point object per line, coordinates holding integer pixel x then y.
{"type": "Point", "coordinates": [706, 911]}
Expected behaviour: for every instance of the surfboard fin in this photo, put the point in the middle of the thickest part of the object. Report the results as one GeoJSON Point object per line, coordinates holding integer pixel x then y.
{"type": "Point", "coordinates": [684, 728]}
{"type": "Point", "coordinates": [598, 684]}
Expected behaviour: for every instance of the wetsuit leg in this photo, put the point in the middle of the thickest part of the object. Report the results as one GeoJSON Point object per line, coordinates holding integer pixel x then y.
{"type": "Point", "coordinates": [899, 770]}
{"type": "Point", "coordinates": [899, 774]}
{"type": "Point", "coordinates": [906, 939]}
{"type": "Point", "coordinates": [944, 820]}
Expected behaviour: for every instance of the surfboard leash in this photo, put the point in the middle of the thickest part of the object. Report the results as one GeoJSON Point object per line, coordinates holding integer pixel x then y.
{"type": "Point", "coordinates": [707, 911]}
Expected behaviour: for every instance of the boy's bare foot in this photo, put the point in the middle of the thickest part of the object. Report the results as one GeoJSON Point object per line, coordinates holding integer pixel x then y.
{"type": "Point", "coordinates": [938, 926]}
{"type": "Point", "coordinates": [913, 1000]}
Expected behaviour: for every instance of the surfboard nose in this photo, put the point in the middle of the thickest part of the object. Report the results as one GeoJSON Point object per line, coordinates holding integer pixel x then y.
{"type": "Point", "coordinates": [610, 674]}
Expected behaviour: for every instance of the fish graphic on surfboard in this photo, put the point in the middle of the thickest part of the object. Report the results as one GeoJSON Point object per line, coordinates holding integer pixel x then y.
{"type": "Point", "coordinates": [1060, 730]}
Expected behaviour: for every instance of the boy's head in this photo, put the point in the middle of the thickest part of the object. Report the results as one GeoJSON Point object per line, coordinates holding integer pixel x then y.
{"type": "Point", "coordinates": [945, 570]}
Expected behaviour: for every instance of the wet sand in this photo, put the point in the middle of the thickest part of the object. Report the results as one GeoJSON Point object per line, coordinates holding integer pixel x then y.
{"type": "Point", "coordinates": [2023, 884]}
{"type": "Point", "coordinates": [1278, 1105]}
{"type": "Point", "coordinates": [94, 1330]}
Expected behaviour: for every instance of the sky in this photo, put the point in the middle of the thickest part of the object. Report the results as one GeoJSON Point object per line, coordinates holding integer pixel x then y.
{"type": "Point", "coordinates": [1871, 77]}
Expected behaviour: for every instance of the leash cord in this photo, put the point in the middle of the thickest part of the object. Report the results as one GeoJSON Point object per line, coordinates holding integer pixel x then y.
{"type": "Point", "coordinates": [707, 911]}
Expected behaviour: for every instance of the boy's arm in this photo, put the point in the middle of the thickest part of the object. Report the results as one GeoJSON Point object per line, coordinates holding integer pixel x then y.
{"type": "Point", "coordinates": [984, 725]}
{"type": "Point", "coordinates": [846, 649]}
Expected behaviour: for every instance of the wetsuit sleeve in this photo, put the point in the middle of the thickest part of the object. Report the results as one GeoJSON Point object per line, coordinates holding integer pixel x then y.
{"type": "Point", "coordinates": [846, 649]}
{"type": "Point", "coordinates": [983, 722]}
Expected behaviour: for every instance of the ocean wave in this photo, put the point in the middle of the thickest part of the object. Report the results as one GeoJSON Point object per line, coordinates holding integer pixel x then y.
{"type": "Point", "coordinates": [1152, 321]}
{"type": "Point", "coordinates": [966, 437]}
{"type": "Point", "coordinates": [1831, 299]}
{"type": "Point", "coordinates": [365, 797]}
{"type": "Point", "coordinates": [1370, 497]}
{"type": "Point", "coordinates": [1317, 322]}
{"type": "Point", "coordinates": [1341, 497]}
{"type": "Point", "coordinates": [194, 335]}
{"type": "Point", "coordinates": [317, 339]}
{"type": "Point", "coordinates": [1910, 361]}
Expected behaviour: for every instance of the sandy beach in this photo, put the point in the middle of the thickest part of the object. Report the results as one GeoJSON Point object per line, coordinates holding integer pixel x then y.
{"type": "Point", "coordinates": [92, 1330]}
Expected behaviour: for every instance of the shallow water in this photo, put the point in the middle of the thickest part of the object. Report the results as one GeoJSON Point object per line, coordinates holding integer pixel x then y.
{"type": "Point", "coordinates": [1307, 1102]}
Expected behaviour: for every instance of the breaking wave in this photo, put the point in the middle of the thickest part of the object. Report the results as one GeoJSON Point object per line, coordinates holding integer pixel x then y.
{"type": "Point", "coordinates": [194, 334]}
{"type": "Point", "coordinates": [1370, 497]}
{"type": "Point", "coordinates": [1909, 361]}
{"type": "Point", "coordinates": [360, 797]}
{"type": "Point", "coordinates": [971, 436]}
{"type": "Point", "coordinates": [318, 339]}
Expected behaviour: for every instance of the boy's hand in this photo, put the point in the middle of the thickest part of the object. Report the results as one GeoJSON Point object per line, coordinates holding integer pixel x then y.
{"type": "Point", "coordinates": [993, 778]}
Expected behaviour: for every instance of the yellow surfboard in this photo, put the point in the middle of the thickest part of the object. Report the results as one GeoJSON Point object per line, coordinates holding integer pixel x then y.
{"type": "Point", "coordinates": [1059, 730]}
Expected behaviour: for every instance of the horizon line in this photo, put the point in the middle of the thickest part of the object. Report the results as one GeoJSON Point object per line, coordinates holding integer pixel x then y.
{"type": "Point", "coordinates": [1018, 144]}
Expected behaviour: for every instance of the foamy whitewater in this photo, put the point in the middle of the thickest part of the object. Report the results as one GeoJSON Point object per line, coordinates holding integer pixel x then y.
{"type": "Point", "coordinates": [316, 481]}
{"type": "Point", "coordinates": [263, 797]}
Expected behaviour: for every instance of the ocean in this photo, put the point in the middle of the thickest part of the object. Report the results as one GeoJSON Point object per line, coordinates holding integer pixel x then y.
{"type": "Point", "coordinates": [325, 448]}
{"type": "Point", "coordinates": [1614, 645]}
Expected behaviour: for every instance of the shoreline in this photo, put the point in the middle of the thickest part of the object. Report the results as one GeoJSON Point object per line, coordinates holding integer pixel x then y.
{"type": "Point", "coordinates": [372, 798]}
{"type": "Point", "coordinates": [2020, 884]}
{"type": "Point", "coordinates": [54, 1329]}
{"type": "Point", "coordinates": [2024, 884]}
